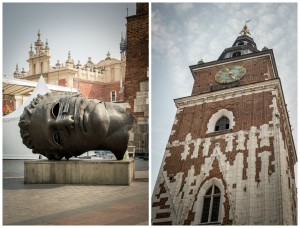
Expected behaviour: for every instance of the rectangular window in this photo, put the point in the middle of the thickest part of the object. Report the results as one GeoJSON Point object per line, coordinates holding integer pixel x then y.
{"type": "Point", "coordinates": [205, 212]}
{"type": "Point", "coordinates": [113, 96]}
{"type": "Point", "coordinates": [215, 209]}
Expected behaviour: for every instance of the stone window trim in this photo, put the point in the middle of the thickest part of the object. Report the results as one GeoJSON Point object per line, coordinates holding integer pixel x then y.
{"type": "Point", "coordinates": [216, 117]}
{"type": "Point", "coordinates": [200, 202]}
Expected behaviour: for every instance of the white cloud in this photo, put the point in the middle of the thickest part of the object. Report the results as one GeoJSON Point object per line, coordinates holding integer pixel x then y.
{"type": "Point", "coordinates": [183, 8]}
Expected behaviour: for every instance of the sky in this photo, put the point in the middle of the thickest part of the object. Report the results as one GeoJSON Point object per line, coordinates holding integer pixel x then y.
{"type": "Point", "coordinates": [84, 29]}
{"type": "Point", "coordinates": [182, 34]}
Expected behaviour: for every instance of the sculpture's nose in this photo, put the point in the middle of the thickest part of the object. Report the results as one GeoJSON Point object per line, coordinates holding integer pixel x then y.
{"type": "Point", "coordinates": [64, 121]}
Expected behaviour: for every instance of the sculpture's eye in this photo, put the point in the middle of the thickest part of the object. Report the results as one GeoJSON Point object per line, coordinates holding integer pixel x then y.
{"type": "Point", "coordinates": [56, 138]}
{"type": "Point", "coordinates": [55, 110]}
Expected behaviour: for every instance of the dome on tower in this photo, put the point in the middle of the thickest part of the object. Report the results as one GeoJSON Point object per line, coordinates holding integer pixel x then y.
{"type": "Point", "coordinates": [39, 42]}
{"type": "Point", "coordinates": [244, 44]}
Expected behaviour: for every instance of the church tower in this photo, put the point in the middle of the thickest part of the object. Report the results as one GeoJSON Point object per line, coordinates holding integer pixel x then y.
{"type": "Point", "coordinates": [230, 156]}
{"type": "Point", "coordinates": [123, 47]}
{"type": "Point", "coordinates": [39, 61]}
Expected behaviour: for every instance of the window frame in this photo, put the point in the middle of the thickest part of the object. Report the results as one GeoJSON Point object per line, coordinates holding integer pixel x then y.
{"type": "Point", "coordinates": [212, 196]}
{"type": "Point", "coordinates": [226, 124]}
{"type": "Point", "coordinates": [113, 94]}
{"type": "Point", "coordinates": [215, 117]}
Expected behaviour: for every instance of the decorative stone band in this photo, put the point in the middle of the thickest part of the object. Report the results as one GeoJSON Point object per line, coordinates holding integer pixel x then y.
{"type": "Point", "coordinates": [265, 86]}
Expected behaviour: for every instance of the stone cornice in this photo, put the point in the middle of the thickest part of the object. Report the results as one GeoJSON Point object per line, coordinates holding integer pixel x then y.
{"type": "Point", "coordinates": [227, 93]}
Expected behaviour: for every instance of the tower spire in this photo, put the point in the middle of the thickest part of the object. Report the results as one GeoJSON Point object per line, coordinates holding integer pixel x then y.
{"type": "Point", "coordinates": [39, 44]}
{"type": "Point", "coordinates": [39, 35]}
{"type": "Point", "coordinates": [107, 56]}
{"type": "Point", "coordinates": [46, 45]}
{"type": "Point", "coordinates": [17, 73]}
{"type": "Point", "coordinates": [31, 52]}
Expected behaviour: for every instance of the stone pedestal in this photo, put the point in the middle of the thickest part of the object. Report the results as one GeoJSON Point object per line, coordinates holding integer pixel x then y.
{"type": "Point", "coordinates": [76, 171]}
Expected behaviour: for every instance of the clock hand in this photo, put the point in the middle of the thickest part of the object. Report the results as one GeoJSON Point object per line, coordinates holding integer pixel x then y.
{"type": "Point", "coordinates": [229, 73]}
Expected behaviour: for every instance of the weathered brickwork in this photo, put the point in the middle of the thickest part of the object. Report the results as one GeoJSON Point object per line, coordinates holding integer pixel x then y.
{"type": "Point", "coordinates": [136, 76]}
{"type": "Point", "coordinates": [251, 163]}
{"type": "Point", "coordinates": [249, 110]}
{"type": "Point", "coordinates": [100, 91]}
{"type": "Point", "coordinates": [137, 52]}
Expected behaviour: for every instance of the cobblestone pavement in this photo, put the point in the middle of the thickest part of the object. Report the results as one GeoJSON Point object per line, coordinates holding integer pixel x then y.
{"type": "Point", "coordinates": [56, 204]}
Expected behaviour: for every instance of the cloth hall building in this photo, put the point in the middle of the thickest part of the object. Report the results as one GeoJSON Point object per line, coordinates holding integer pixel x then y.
{"type": "Point", "coordinates": [103, 80]}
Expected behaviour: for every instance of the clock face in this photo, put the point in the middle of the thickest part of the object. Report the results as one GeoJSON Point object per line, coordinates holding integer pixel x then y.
{"type": "Point", "coordinates": [230, 74]}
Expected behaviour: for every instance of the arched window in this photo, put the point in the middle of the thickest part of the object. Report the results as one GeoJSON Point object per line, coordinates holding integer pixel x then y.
{"type": "Point", "coordinates": [222, 124]}
{"type": "Point", "coordinates": [212, 123]}
{"type": "Point", "coordinates": [236, 54]}
{"type": "Point", "coordinates": [211, 205]}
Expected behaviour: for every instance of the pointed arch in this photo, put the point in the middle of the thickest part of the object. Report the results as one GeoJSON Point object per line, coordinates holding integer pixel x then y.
{"type": "Point", "coordinates": [209, 208]}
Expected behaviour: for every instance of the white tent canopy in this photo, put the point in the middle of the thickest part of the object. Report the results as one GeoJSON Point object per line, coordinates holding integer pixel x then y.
{"type": "Point", "coordinates": [13, 147]}
{"type": "Point", "coordinates": [41, 88]}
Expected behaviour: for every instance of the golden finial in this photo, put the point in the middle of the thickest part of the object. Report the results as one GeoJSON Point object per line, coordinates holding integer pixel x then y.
{"type": "Point", "coordinates": [245, 30]}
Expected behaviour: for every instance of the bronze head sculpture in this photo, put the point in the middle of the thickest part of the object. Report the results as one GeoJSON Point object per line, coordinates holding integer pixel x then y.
{"type": "Point", "coordinates": [58, 126]}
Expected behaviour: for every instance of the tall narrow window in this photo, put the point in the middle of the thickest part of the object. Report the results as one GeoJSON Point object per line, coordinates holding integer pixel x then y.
{"type": "Point", "coordinates": [113, 96]}
{"type": "Point", "coordinates": [211, 205]}
{"type": "Point", "coordinates": [222, 124]}
{"type": "Point", "coordinates": [34, 70]}
{"type": "Point", "coordinates": [41, 68]}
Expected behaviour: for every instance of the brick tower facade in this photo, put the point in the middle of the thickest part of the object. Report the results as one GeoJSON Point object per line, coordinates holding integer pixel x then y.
{"type": "Point", "coordinates": [136, 76]}
{"type": "Point", "coordinates": [230, 156]}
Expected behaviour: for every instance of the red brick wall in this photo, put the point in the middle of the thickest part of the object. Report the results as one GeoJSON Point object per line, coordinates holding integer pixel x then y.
{"type": "Point", "coordinates": [137, 52]}
{"type": "Point", "coordinates": [255, 70]}
{"type": "Point", "coordinates": [8, 105]}
{"type": "Point", "coordinates": [142, 8]}
{"type": "Point", "coordinates": [62, 82]}
{"type": "Point", "coordinates": [100, 91]}
{"type": "Point", "coordinates": [248, 110]}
